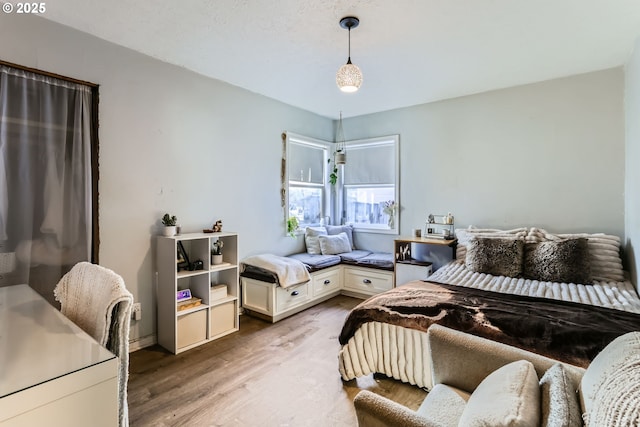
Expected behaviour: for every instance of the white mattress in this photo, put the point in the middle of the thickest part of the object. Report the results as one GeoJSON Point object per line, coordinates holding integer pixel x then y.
{"type": "Point", "coordinates": [616, 295]}
{"type": "Point", "coordinates": [402, 353]}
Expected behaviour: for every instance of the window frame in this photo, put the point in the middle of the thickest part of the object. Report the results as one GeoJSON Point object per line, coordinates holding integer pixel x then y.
{"type": "Point", "coordinates": [325, 203]}
{"type": "Point", "coordinates": [393, 140]}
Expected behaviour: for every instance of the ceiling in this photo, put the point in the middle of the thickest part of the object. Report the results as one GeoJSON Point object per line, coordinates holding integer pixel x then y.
{"type": "Point", "coordinates": [410, 51]}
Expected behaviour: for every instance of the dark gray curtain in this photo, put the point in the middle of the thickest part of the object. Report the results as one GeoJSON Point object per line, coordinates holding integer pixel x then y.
{"type": "Point", "coordinates": [45, 177]}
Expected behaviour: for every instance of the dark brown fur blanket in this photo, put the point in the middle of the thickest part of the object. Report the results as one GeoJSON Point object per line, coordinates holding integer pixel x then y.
{"type": "Point", "coordinates": [566, 331]}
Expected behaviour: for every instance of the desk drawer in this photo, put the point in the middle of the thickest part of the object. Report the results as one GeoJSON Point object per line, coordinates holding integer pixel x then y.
{"type": "Point", "coordinates": [292, 297]}
{"type": "Point", "coordinates": [367, 280]}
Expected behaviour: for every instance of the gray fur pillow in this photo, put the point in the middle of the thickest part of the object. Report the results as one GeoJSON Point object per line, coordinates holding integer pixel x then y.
{"type": "Point", "coordinates": [499, 257]}
{"type": "Point", "coordinates": [563, 261]}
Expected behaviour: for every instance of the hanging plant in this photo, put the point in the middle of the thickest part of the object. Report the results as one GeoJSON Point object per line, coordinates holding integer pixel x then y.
{"type": "Point", "coordinates": [333, 167]}
{"type": "Point", "coordinates": [339, 155]}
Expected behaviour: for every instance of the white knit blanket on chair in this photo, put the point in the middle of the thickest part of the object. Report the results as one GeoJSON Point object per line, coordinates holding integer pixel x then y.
{"type": "Point", "coordinates": [88, 295]}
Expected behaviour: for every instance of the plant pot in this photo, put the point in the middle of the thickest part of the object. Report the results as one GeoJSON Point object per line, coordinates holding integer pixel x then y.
{"type": "Point", "coordinates": [216, 259]}
{"type": "Point", "coordinates": [169, 230]}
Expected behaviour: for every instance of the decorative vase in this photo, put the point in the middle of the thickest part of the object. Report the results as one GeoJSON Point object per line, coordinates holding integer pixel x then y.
{"type": "Point", "coordinates": [169, 230]}
{"type": "Point", "coordinates": [392, 222]}
{"type": "Point", "coordinates": [216, 259]}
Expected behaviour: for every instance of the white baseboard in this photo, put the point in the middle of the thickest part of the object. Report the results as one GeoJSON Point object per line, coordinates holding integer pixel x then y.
{"type": "Point", "coordinates": [142, 342]}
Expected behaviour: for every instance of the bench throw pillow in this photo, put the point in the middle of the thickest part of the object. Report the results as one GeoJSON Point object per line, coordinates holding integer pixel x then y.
{"type": "Point", "coordinates": [499, 257]}
{"type": "Point", "coordinates": [311, 239]}
{"type": "Point", "coordinates": [560, 406]}
{"type": "Point", "coordinates": [509, 396]}
{"type": "Point", "coordinates": [337, 229]}
{"type": "Point", "coordinates": [336, 244]}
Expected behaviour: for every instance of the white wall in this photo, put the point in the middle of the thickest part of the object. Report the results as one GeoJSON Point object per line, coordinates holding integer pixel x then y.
{"type": "Point", "coordinates": [549, 154]}
{"type": "Point", "coordinates": [170, 140]}
{"type": "Point", "coordinates": [632, 168]}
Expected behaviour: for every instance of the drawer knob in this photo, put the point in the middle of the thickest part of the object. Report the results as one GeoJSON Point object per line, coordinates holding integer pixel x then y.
{"type": "Point", "coordinates": [366, 281]}
{"type": "Point", "coordinates": [295, 293]}
{"type": "Point", "coordinates": [326, 282]}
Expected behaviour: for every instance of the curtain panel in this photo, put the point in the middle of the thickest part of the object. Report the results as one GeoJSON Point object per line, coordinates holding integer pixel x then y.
{"type": "Point", "coordinates": [46, 188]}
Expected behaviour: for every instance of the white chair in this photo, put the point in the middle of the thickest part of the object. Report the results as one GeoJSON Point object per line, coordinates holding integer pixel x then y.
{"type": "Point", "coordinates": [482, 382]}
{"type": "Point", "coordinates": [96, 299]}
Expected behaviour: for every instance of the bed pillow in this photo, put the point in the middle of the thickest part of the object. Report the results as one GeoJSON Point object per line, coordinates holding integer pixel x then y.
{"type": "Point", "coordinates": [311, 235]}
{"type": "Point", "coordinates": [604, 252]}
{"type": "Point", "coordinates": [560, 406]}
{"type": "Point", "coordinates": [499, 257]}
{"type": "Point", "coordinates": [562, 261]}
{"type": "Point", "coordinates": [465, 234]}
{"type": "Point", "coordinates": [509, 396]}
{"type": "Point", "coordinates": [336, 244]}
{"type": "Point", "coordinates": [337, 229]}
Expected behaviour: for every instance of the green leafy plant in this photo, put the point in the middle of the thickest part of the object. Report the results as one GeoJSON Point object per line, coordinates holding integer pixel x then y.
{"type": "Point", "coordinates": [292, 226]}
{"type": "Point", "coordinates": [217, 247]}
{"type": "Point", "coordinates": [168, 220]}
{"type": "Point", "coordinates": [333, 167]}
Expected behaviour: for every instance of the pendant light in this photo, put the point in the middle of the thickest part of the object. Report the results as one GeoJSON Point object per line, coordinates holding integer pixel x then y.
{"type": "Point", "coordinates": [341, 147]}
{"type": "Point", "coordinates": [349, 77]}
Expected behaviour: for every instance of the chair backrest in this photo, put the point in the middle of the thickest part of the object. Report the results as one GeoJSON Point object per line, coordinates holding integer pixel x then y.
{"type": "Point", "coordinates": [96, 299]}
{"type": "Point", "coordinates": [88, 294]}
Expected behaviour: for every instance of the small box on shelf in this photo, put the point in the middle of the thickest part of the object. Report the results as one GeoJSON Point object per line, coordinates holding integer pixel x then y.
{"type": "Point", "coordinates": [218, 292]}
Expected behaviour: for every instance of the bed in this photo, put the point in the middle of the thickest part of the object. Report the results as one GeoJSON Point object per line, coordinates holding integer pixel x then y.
{"type": "Point", "coordinates": [562, 295]}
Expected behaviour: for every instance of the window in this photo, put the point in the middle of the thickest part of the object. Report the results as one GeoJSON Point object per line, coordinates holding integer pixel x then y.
{"type": "Point", "coordinates": [370, 185]}
{"type": "Point", "coordinates": [306, 195]}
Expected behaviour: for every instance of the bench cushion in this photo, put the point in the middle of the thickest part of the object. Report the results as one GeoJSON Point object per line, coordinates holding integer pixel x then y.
{"type": "Point", "coordinates": [317, 261]}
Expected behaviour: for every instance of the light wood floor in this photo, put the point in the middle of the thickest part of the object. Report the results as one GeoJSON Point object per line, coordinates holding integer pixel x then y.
{"type": "Point", "coordinates": [282, 374]}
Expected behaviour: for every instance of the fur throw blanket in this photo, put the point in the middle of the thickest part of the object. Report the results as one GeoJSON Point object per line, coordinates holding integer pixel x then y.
{"type": "Point", "coordinates": [566, 331]}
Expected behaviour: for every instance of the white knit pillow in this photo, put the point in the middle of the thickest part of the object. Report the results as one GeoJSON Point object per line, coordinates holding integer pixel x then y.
{"type": "Point", "coordinates": [509, 396]}
{"type": "Point", "coordinates": [610, 387]}
{"type": "Point", "coordinates": [311, 239]}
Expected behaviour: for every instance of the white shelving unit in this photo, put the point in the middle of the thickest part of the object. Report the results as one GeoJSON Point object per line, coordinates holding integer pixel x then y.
{"type": "Point", "coordinates": [215, 316]}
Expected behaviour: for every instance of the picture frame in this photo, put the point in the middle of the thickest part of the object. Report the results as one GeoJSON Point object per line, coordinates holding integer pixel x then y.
{"type": "Point", "coordinates": [182, 259]}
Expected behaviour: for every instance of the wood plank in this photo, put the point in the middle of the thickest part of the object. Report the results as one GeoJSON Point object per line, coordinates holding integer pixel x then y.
{"type": "Point", "coordinates": [282, 374]}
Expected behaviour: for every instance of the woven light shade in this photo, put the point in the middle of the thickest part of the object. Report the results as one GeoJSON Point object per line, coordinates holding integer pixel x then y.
{"type": "Point", "coordinates": [349, 77]}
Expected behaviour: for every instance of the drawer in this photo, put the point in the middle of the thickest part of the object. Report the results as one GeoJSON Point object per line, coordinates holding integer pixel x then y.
{"type": "Point", "coordinates": [291, 297]}
{"type": "Point", "coordinates": [257, 295]}
{"type": "Point", "coordinates": [222, 318]}
{"type": "Point", "coordinates": [367, 280]}
{"type": "Point", "coordinates": [325, 282]}
{"type": "Point", "coordinates": [192, 328]}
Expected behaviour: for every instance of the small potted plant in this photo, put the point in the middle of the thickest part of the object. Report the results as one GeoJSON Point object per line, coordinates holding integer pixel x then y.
{"type": "Point", "coordinates": [216, 252]}
{"type": "Point", "coordinates": [292, 226]}
{"type": "Point", "coordinates": [169, 223]}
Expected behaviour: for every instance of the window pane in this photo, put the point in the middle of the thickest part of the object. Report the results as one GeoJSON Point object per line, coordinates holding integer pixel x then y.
{"type": "Point", "coordinates": [305, 203]}
{"type": "Point", "coordinates": [371, 164]}
{"type": "Point", "coordinates": [306, 163]}
{"type": "Point", "coordinates": [364, 205]}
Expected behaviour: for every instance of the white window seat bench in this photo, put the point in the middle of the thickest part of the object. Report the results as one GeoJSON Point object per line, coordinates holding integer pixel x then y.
{"type": "Point", "coordinates": [359, 274]}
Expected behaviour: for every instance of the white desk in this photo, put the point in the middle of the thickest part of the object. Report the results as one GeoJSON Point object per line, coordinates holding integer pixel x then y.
{"type": "Point", "coordinates": [51, 372]}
